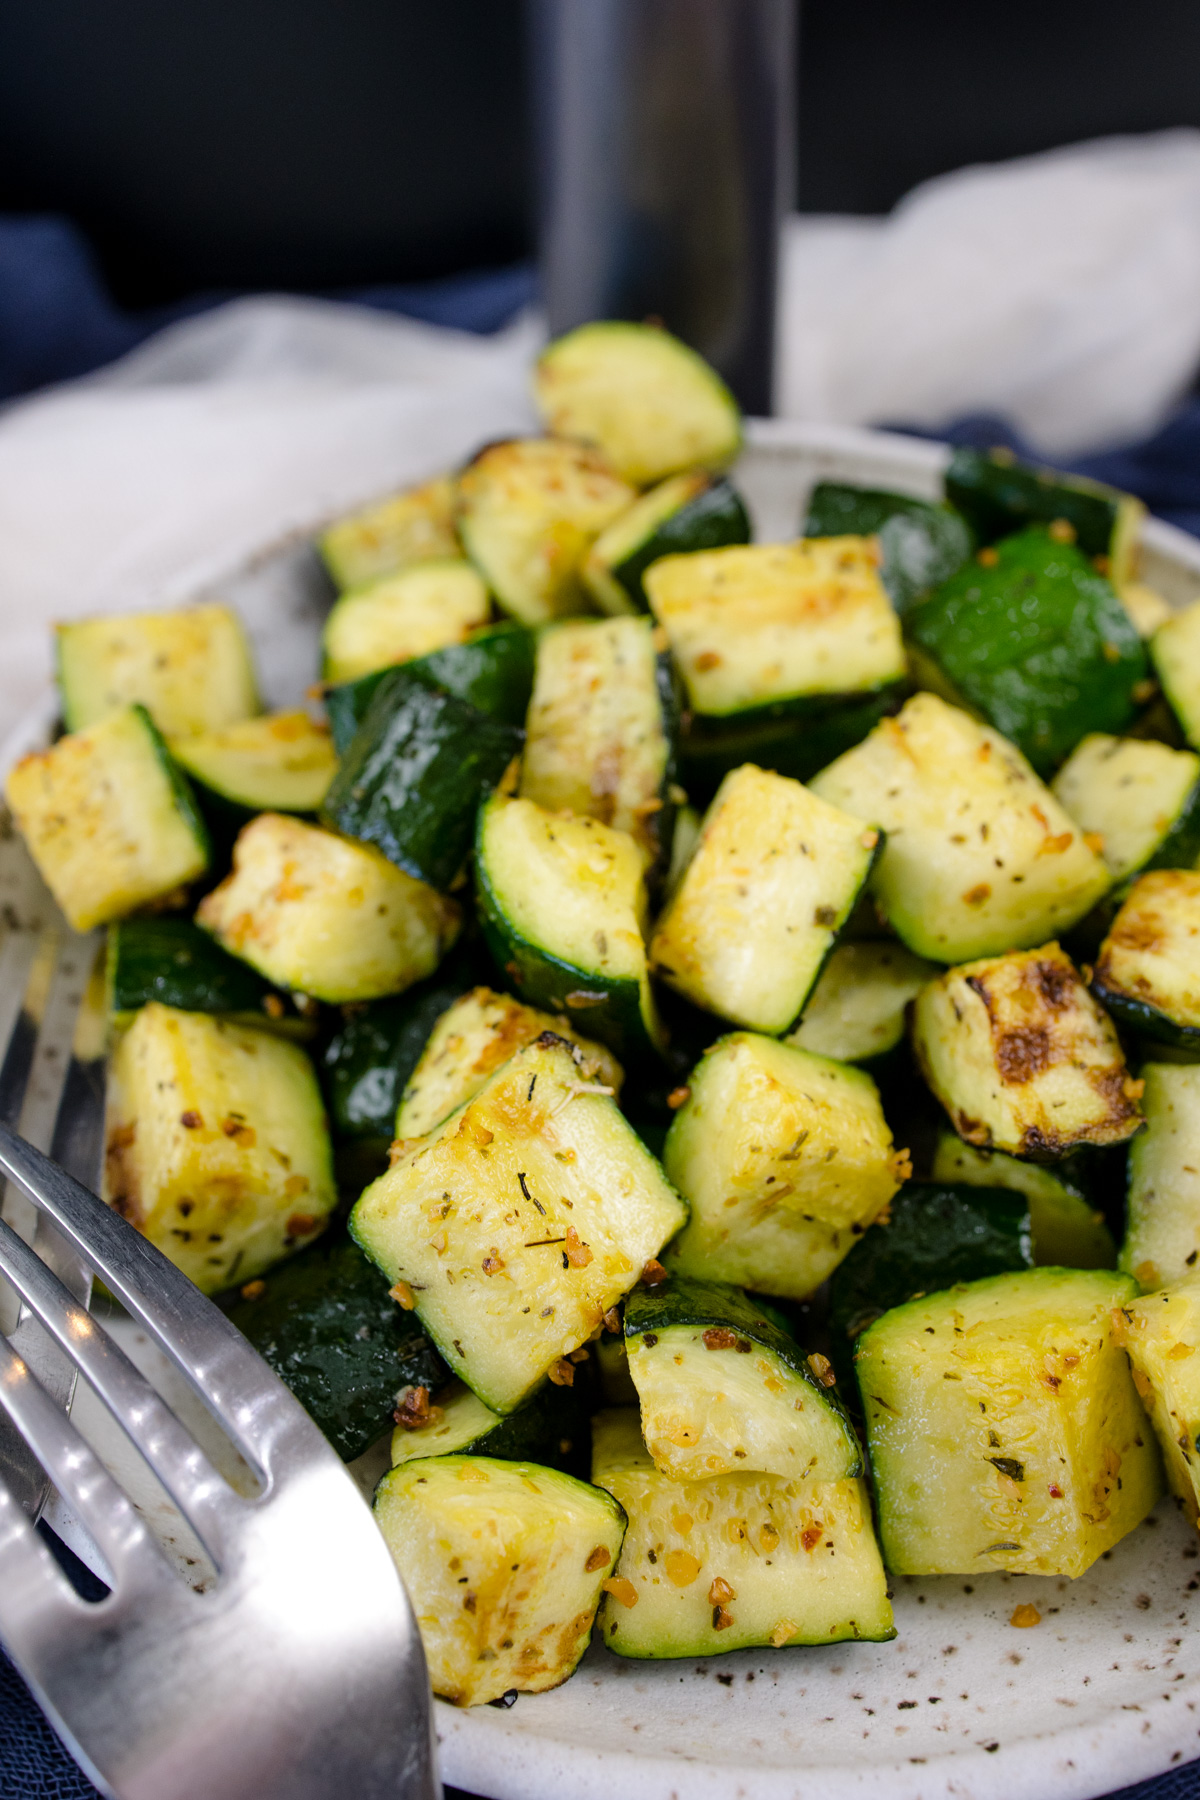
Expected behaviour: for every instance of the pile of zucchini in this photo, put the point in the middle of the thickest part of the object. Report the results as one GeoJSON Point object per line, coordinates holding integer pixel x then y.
{"type": "Point", "coordinates": [638, 887]}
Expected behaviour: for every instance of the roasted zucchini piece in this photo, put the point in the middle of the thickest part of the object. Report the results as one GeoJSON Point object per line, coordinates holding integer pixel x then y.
{"type": "Point", "coordinates": [1068, 1231]}
{"type": "Point", "coordinates": [979, 857]}
{"type": "Point", "coordinates": [1161, 1334]}
{"type": "Point", "coordinates": [519, 1222]}
{"type": "Point", "coordinates": [1140, 798]}
{"type": "Point", "coordinates": [774, 878]}
{"type": "Point", "coordinates": [492, 671]}
{"type": "Point", "coordinates": [108, 819]}
{"type": "Point", "coordinates": [734, 1560]}
{"type": "Point", "coordinates": [857, 1010]}
{"type": "Point", "coordinates": [415, 526]}
{"type": "Point", "coordinates": [420, 609]}
{"type": "Point", "coordinates": [471, 1040]}
{"type": "Point", "coordinates": [921, 544]}
{"type": "Point", "coordinates": [172, 960]}
{"type": "Point", "coordinates": [998, 495]}
{"type": "Point", "coordinates": [553, 1429]}
{"type": "Point", "coordinates": [327, 1325]}
{"type": "Point", "coordinates": [279, 763]}
{"type": "Point", "coordinates": [1031, 637]}
{"type": "Point", "coordinates": [1022, 1058]}
{"type": "Point", "coordinates": [722, 1388]}
{"type": "Point", "coordinates": [191, 669]}
{"type": "Point", "coordinates": [684, 513]}
{"type": "Point", "coordinates": [784, 1158]}
{"type": "Point", "coordinates": [1175, 653]}
{"type": "Point", "coordinates": [601, 730]}
{"type": "Point", "coordinates": [1004, 1428]}
{"type": "Point", "coordinates": [529, 511]}
{"type": "Point", "coordinates": [216, 1144]}
{"type": "Point", "coordinates": [1148, 972]}
{"type": "Point", "coordinates": [414, 775]}
{"type": "Point", "coordinates": [1162, 1235]}
{"type": "Point", "coordinates": [650, 404]}
{"type": "Point", "coordinates": [503, 1562]}
{"type": "Point", "coordinates": [324, 917]}
{"type": "Point", "coordinates": [563, 905]}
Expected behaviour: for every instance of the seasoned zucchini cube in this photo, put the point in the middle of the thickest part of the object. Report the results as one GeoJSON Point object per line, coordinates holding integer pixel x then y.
{"type": "Point", "coordinates": [723, 1387]}
{"type": "Point", "coordinates": [1162, 1233]}
{"type": "Point", "coordinates": [1067, 1230]}
{"type": "Point", "coordinates": [552, 1429]}
{"type": "Point", "coordinates": [733, 1560]}
{"type": "Point", "coordinates": [651, 405]}
{"type": "Point", "coordinates": [519, 1222]}
{"type": "Point", "coordinates": [857, 1010]}
{"type": "Point", "coordinates": [504, 1563]}
{"type": "Point", "coordinates": [920, 544]}
{"type": "Point", "coordinates": [528, 512]}
{"type": "Point", "coordinates": [279, 763]}
{"type": "Point", "coordinates": [998, 495]}
{"type": "Point", "coordinates": [774, 877]}
{"type": "Point", "coordinates": [684, 513]}
{"type": "Point", "coordinates": [191, 669]}
{"type": "Point", "coordinates": [1161, 1333]}
{"type": "Point", "coordinates": [321, 916]}
{"type": "Point", "coordinates": [108, 819]}
{"type": "Point", "coordinates": [420, 608]}
{"type": "Point", "coordinates": [1148, 972]}
{"type": "Point", "coordinates": [601, 729]}
{"type": "Point", "coordinates": [785, 1158]}
{"type": "Point", "coordinates": [1033, 638]}
{"type": "Point", "coordinates": [217, 1148]}
{"type": "Point", "coordinates": [492, 671]}
{"type": "Point", "coordinates": [1175, 653]}
{"type": "Point", "coordinates": [777, 625]}
{"type": "Point", "coordinates": [415, 526]}
{"type": "Point", "coordinates": [1141, 799]}
{"type": "Point", "coordinates": [1004, 1428]}
{"type": "Point", "coordinates": [979, 857]}
{"type": "Point", "coordinates": [470, 1041]}
{"type": "Point", "coordinates": [1022, 1058]}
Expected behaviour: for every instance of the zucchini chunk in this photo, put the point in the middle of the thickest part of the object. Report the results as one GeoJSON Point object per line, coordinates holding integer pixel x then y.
{"type": "Point", "coordinates": [1175, 653]}
{"type": "Point", "coordinates": [552, 1429]}
{"type": "Point", "coordinates": [191, 669]}
{"type": "Point", "coordinates": [528, 511]}
{"type": "Point", "coordinates": [1031, 637]}
{"type": "Point", "coordinates": [414, 775]}
{"type": "Point", "coordinates": [775, 875]}
{"type": "Point", "coordinates": [684, 513]}
{"type": "Point", "coordinates": [563, 905]}
{"type": "Point", "coordinates": [520, 1222]}
{"type": "Point", "coordinates": [998, 495]}
{"type": "Point", "coordinates": [172, 960]}
{"type": "Point", "coordinates": [216, 1144]}
{"type": "Point", "coordinates": [321, 916]}
{"type": "Point", "coordinates": [784, 1158]}
{"type": "Point", "coordinates": [723, 1388]}
{"type": "Point", "coordinates": [921, 544]}
{"type": "Point", "coordinates": [1148, 972]}
{"type": "Point", "coordinates": [1068, 1232]}
{"type": "Point", "coordinates": [1162, 1235]}
{"type": "Point", "coordinates": [108, 819]}
{"type": "Point", "coordinates": [419, 609]}
{"type": "Point", "coordinates": [857, 1010]}
{"type": "Point", "coordinates": [734, 1560]}
{"type": "Point", "coordinates": [1022, 1058]}
{"type": "Point", "coordinates": [777, 626]}
{"type": "Point", "coordinates": [503, 1562]}
{"type": "Point", "coordinates": [415, 526]}
{"type": "Point", "coordinates": [327, 1325]}
{"type": "Point", "coordinates": [492, 671]}
{"type": "Point", "coordinates": [979, 857]}
{"type": "Point", "coordinates": [651, 405]}
{"type": "Point", "coordinates": [1004, 1428]}
{"type": "Point", "coordinates": [279, 763]}
{"type": "Point", "coordinates": [601, 730]}
{"type": "Point", "coordinates": [1139, 797]}
{"type": "Point", "coordinates": [471, 1040]}
{"type": "Point", "coordinates": [1161, 1333]}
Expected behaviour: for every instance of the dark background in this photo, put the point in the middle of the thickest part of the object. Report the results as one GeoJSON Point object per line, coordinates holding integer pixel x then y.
{"type": "Point", "coordinates": [231, 144]}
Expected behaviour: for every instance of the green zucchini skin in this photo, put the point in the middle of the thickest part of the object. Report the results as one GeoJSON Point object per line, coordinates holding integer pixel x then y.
{"type": "Point", "coordinates": [1038, 643]}
{"type": "Point", "coordinates": [998, 495]}
{"type": "Point", "coordinates": [922, 543]}
{"type": "Point", "coordinates": [173, 961]}
{"type": "Point", "coordinates": [710, 520]}
{"type": "Point", "coordinates": [492, 671]}
{"type": "Point", "coordinates": [552, 1429]}
{"type": "Point", "coordinates": [790, 741]}
{"type": "Point", "coordinates": [414, 775]}
{"type": "Point", "coordinates": [1147, 1021]}
{"type": "Point", "coordinates": [332, 1333]}
{"type": "Point", "coordinates": [1180, 848]}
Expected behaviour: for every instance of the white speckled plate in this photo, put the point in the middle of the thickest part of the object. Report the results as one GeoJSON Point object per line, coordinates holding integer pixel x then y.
{"type": "Point", "coordinates": [1103, 1692]}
